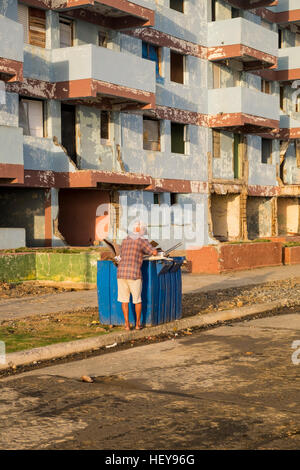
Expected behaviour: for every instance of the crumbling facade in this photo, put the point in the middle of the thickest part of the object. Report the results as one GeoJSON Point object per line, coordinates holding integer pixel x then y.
{"type": "Point", "coordinates": [166, 102]}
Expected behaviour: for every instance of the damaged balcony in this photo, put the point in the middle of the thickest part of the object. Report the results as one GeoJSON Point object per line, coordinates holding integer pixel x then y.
{"type": "Point", "coordinates": [112, 14]}
{"type": "Point", "coordinates": [286, 12]}
{"type": "Point", "coordinates": [240, 109]}
{"type": "Point", "coordinates": [288, 64]}
{"type": "Point", "coordinates": [11, 155]}
{"type": "Point", "coordinates": [102, 77]}
{"type": "Point", "coordinates": [239, 40]}
{"type": "Point", "coordinates": [249, 4]}
{"type": "Point", "coordinates": [290, 126]}
{"type": "Point", "coordinates": [11, 50]}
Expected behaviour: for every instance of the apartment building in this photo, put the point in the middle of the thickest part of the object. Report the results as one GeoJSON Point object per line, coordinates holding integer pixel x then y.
{"type": "Point", "coordinates": [111, 103]}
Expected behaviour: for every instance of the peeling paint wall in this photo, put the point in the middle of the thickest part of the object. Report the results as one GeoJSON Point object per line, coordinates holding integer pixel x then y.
{"type": "Point", "coordinates": [288, 215]}
{"type": "Point", "coordinates": [259, 217]}
{"type": "Point", "coordinates": [261, 173]}
{"type": "Point", "coordinates": [225, 212]}
{"type": "Point", "coordinates": [163, 164]}
{"type": "Point", "coordinates": [291, 171]}
{"type": "Point", "coordinates": [223, 166]}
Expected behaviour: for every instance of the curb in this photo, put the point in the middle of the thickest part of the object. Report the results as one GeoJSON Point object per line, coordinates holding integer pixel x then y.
{"type": "Point", "coordinates": [61, 350]}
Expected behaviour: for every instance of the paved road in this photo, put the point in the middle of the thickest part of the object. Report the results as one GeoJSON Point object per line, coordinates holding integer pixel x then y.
{"type": "Point", "coordinates": [232, 387]}
{"type": "Point", "coordinates": [15, 308]}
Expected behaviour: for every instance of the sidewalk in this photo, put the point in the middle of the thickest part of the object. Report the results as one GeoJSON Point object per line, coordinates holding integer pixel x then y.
{"type": "Point", "coordinates": [192, 283]}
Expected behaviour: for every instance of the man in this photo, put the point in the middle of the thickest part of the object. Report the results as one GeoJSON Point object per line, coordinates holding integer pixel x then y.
{"type": "Point", "coordinates": [129, 274]}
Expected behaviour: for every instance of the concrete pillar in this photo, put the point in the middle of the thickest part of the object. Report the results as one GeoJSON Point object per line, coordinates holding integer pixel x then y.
{"type": "Point", "coordinates": [54, 119]}
{"type": "Point", "coordinates": [52, 30]}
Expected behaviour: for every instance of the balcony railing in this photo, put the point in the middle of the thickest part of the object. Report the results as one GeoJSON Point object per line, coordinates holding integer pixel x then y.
{"type": "Point", "coordinates": [288, 64]}
{"type": "Point", "coordinates": [253, 45]}
{"type": "Point", "coordinates": [243, 109]}
{"type": "Point", "coordinates": [96, 74]}
{"type": "Point", "coordinates": [11, 155]}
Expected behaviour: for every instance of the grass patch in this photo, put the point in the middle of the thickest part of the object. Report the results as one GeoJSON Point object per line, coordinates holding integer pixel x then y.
{"type": "Point", "coordinates": [42, 330]}
{"type": "Point", "coordinates": [291, 244]}
{"type": "Point", "coordinates": [240, 242]}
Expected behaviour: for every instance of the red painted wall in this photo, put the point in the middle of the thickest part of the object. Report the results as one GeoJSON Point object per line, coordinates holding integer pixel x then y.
{"type": "Point", "coordinates": [291, 255]}
{"type": "Point", "coordinates": [77, 214]}
{"type": "Point", "coordinates": [236, 257]}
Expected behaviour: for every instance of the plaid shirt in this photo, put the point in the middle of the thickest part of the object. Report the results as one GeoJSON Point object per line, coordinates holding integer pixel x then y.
{"type": "Point", "coordinates": [132, 251]}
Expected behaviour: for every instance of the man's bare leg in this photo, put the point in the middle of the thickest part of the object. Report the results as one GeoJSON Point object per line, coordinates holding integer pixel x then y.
{"type": "Point", "coordinates": [125, 310]}
{"type": "Point", "coordinates": [138, 312]}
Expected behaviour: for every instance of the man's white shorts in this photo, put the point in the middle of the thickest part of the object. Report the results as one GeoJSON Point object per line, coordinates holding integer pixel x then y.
{"type": "Point", "coordinates": [127, 287]}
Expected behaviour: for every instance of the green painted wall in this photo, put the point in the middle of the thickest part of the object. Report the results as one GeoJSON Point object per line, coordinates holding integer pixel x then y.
{"type": "Point", "coordinates": [81, 267]}
{"type": "Point", "coordinates": [17, 267]}
{"type": "Point", "coordinates": [74, 267]}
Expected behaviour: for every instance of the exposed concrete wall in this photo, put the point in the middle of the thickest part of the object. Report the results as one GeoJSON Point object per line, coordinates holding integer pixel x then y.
{"type": "Point", "coordinates": [223, 166]}
{"type": "Point", "coordinates": [225, 212]}
{"type": "Point", "coordinates": [12, 238]}
{"type": "Point", "coordinates": [24, 208]}
{"type": "Point", "coordinates": [261, 173]}
{"type": "Point", "coordinates": [288, 215]}
{"type": "Point", "coordinates": [163, 164]}
{"type": "Point", "coordinates": [92, 153]}
{"type": "Point", "coordinates": [259, 217]}
{"type": "Point", "coordinates": [291, 172]}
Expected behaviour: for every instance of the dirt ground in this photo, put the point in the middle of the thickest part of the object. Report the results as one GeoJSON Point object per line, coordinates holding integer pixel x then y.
{"type": "Point", "coordinates": [23, 289]}
{"type": "Point", "coordinates": [42, 330]}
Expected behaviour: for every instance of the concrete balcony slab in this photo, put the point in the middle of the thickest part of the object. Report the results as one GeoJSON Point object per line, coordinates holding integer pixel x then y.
{"type": "Point", "coordinates": [113, 14]}
{"type": "Point", "coordinates": [288, 64]}
{"type": "Point", "coordinates": [11, 155]}
{"type": "Point", "coordinates": [252, 45]}
{"type": "Point", "coordinates": [241, 109]}
{"type": "Point", "coordinates": [103, 77]}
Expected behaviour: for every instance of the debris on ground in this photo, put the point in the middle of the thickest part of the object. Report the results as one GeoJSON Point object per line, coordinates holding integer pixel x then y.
{"type": "Point", "coordinates": [86, 378]}
{"type": "Point", "coordinates": [236, 297]}
{"type": "Point", "coordinates": [24, 289]}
